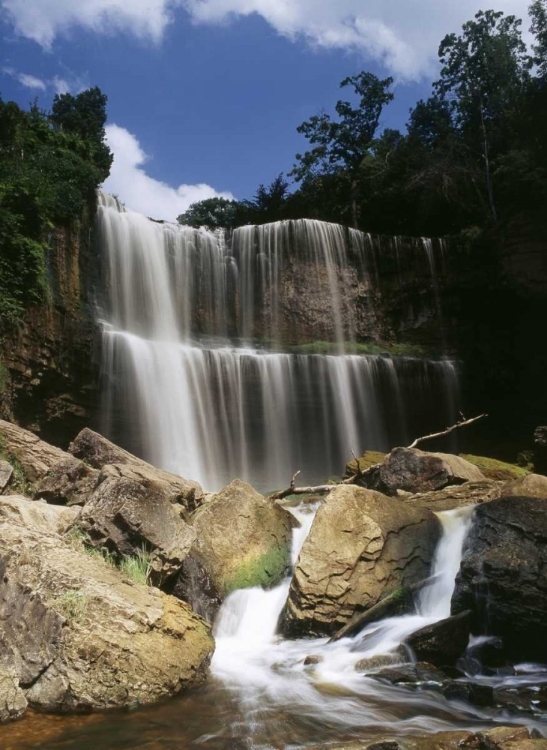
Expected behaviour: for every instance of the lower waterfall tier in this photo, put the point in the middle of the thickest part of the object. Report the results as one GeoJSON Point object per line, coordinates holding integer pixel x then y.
{"type": "Point", "coordinates": [213, 414]}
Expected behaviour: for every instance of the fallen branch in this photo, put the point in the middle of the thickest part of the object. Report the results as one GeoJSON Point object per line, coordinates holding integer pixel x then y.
{"type": "Point", "coordinates": [462, 423]}
{"type": "Point", "coordinates": [321, 489]}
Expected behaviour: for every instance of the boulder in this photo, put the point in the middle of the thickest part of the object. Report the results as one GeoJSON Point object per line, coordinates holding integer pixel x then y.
{"type": "Point", "coordinates": [497, 737]}
{"type": "Point", "coordinates": [242, 539]}
{"type": "Point", "coordinates": [361, 547]}
{"type": "Point", "coordinates": [368, 459]}
{"type": "Point", "coordinates": [68, 482]}
{"type": "Point", "coordinates": [132, 509]}
{"type": "Point", "coordinates": [456, 496]}
{"type": "Point", "coordinates": [502, 576]}
{"type": "Point", "coordinates": [78, 635]}
{"type": "Point", "coordinates": [414, 471]}
{"type": "Point", "coordinates": [412, 674]}
{"type": "Point", "coordinates": [33, 455]}
{"type": "Point", "coordinates": [98, 452]}
{"type": "Point", "coordinates": [443, 642]}
{"type": "Point", "coordinates": [51, 520]}
{"type": "Point", "coordinates": [6, 473]}
{"type": "Point", "coordinates": [532, 485]}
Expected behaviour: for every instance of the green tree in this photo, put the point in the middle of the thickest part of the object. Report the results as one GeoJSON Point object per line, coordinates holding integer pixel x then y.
{"type": "Point", "coordinates": [484, 75]}
{"type": "Point", "coordinates": [341, 145]}
{"type": "Point", "coordinates": [538, 14]}
{"type": "Point", "coordinates": [213, 213]}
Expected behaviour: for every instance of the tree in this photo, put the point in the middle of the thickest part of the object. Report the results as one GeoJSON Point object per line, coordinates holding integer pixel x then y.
{"type": "Point", "coordinates": [538, 13]}
{"type": "Point", "coordinates": [213, 213]}
{"type": "Point", "coordinates": [484, 74]}
{"type": "Point", "coordinates": [268, 203]}
{"type": "Point", "coordinates": [84, 116]}
{"type": "Point", "coordinates": [340, 146]}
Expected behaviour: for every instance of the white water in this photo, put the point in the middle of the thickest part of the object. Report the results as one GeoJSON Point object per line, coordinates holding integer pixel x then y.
{"type": "Point", "coordinates": [267, 672]}
{"type": "Point", "coordinates": [216, 408]}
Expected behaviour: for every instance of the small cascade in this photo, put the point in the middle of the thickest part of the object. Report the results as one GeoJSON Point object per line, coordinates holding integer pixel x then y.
{"type": "Point", "coordinates": [264, 670]}
{"type": "Point", "coordinates": [186, 384]}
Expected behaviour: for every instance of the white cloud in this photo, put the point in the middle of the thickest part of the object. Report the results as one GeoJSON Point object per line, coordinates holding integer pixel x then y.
{"type": "Point", "coordinates": [43, 20]}
{"type": "Point", "coordinates": [26, 80]}
{"type": "Point", "coordinates": [403, 35]}
{"type": "Point", "coordinates": [129, 181]}
{"type": "Point", "coordinates": [59, 85]}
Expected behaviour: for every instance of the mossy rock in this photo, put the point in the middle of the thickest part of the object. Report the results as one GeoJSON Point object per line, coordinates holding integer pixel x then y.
{"type": "Point", "coordinates": [494, 469]}
{"type": "Point", "coordinates": [368, 459]}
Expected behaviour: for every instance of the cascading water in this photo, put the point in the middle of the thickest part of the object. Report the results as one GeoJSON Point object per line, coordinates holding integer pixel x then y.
{"type": "Point", "coordinates": [184, 386]}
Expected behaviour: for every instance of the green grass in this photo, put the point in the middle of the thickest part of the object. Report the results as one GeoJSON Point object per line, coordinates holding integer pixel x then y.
{"type": "Point", "coordinates": [72, 605]}
{"type": "Point", "coordinates": [135, 567]}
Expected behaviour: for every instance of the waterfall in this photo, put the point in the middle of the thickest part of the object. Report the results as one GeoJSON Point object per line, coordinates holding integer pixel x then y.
{"type": "Point", "coordinates": [269, 673]}
{"type": "Point", "coordinates": [194, 375]}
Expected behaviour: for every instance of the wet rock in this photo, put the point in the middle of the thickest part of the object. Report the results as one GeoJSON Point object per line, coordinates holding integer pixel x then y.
{"type": "Point", "coordinates": [451, 740]}
{"type": "Point", "coordinates": [414, 471]}
{"type": "Point", "coordinates": [532, 485]}
{"type": "Point", "coordinates": [33, 455]}
{"type": "Point", "coordinates": [132, 509]}
{"type": "Point", "coordinates": [380, 661]}
{"type": "Point", "coordinates": [531, 699]}
{"type": "Point", "coordinates": [242, 539]}
{"type": "Point", "coordinates": [469, 692]}
{"type": "Point", "coordinates": [457, 496]}
{"type": "Point", "coordinates": [193, 585]}
{"type": "Point", "coordinates": [98, 452]}
{"type": "Point", "coordinates": [312, 660]}
{"type": "Point", "coordinates": [442, 643]}
{"type": "Point", "coordinates": [68, 482]}
{"type": "Point", "coordinates": [80, 635]}
{"type": "Point", "coordinates": [6, 473]}
{"type": "Point", "coordinates": [501, 578]}
{"type": "Point", "coordinates": [412, 674]}
{"type": "Point", "coordinates": [362, 546]}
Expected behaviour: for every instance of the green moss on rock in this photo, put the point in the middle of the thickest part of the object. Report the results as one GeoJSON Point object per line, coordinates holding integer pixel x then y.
{"type": "Point", "coordinates": [266, 570]}
{"type": "Point", "coordinates": [368, 459]}
{"type": "Point", "coordinates": [494, 469]}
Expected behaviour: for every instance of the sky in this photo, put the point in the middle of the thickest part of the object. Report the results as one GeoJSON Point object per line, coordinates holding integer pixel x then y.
{"type": "Point", "coordinates": [204, 96]}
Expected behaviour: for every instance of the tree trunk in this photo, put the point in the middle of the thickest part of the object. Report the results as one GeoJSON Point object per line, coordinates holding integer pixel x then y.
{"type": "Point", "coordinates": [489, 184]}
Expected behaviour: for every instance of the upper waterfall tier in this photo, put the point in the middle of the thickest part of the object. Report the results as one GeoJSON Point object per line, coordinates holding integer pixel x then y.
{"type": "Point", "coordinates": [277, 284]}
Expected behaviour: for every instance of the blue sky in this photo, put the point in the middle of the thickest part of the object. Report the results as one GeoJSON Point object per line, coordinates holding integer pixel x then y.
{"type": "Point", "coordinates": [205, 95]}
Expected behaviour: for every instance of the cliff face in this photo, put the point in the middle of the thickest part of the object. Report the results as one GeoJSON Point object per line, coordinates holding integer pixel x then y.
{"type": "Point", "coordinates": [51, 363]}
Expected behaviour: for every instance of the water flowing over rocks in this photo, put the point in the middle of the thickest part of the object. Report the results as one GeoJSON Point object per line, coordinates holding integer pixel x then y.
{"type": "Point", "coordinates": [502, 575]}
{"type": "Point", "coordinates": [242, 539]}
{"type": "Point", "coordinates": [75, 633]}
{"type": "Point", "coordinates": [362, 546]}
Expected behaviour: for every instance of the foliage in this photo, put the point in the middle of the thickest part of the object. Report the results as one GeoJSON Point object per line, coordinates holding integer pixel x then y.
{"type": "Point", "coordinates": [50, 167]}
{"type": "Point", "coordinates": [212, 213]}
{"type": "Point", "coordinates": [72, 605]}
{"type": "Point", "coordinates": [137, 567]}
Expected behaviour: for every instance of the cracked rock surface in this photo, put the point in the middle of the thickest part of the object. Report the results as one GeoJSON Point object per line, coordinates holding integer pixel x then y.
{"type": "Point", "coordinates": [76, 634]}
{"type": "Point", "coordinates": [362, 546]}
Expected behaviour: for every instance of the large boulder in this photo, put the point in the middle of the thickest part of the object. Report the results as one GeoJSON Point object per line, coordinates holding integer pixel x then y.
{"type": "Point", "coordinates": [33, 455]}
{"type": "Point", "coordinates": [6, 475]}
{"type": "Point", "coordinates": [68, 482]}
{"type": "Point", "coordinates": [502, 575]}
{"type": "Point", "coordinates": [242, 539]}
{"type": "Point", "coordinates": [413, 470]}
{"type": "Point", "coordinates": [132, 509]}
{"type": "Point", "coordinates": [362, 546]}
{"type": "Point", "coordinates": [456, 496]}
{"type": "Point", "coordinates": [532, 485]}
{"type": "Point", "coordinates": [492, 468]}
{"type": "Point", "coordinates": [75, 633]}
{"type": "Point", "coordinates": [98, 452]}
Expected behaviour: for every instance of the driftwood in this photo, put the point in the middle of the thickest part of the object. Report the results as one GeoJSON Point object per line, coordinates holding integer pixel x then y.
{"type": "Point", "coordinates": [321, 489]}
{"type": "Point", "coordinates": [398, 603]}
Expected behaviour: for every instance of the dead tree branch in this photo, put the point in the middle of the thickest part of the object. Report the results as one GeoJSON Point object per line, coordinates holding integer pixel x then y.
{"type": "Point", "coordinates": [463, 422]}
{"type": "Point", "coordinates": [321, 489]}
